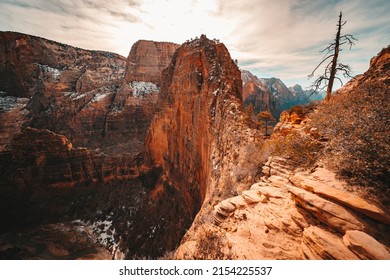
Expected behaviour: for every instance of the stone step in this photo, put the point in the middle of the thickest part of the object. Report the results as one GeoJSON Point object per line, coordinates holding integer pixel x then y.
{"type": "Point", "coordinates": [328, 190]}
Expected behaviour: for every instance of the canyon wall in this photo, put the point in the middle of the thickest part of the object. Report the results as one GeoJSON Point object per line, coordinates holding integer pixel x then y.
{"type": "Point", "coordinates": [298, 211]}
{"type": "Point", "coordinates": [70, 123]}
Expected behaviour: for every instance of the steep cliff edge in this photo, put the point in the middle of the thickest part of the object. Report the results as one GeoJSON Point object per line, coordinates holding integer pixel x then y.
{"type": "Point", "coordinates": [189, 147]}
{"type": "Point", "coordinates": [71, 127]}
{"type": "Point", "coordinates": [307, 211]}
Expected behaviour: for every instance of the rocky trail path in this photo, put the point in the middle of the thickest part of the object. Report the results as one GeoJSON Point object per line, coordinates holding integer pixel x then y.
{"type": "Point", "coordinates": [301, 215]}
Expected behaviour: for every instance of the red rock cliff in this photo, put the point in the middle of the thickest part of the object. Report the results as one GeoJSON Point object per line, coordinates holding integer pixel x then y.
{"type": "Point", "coordinates": [70, 128]}
{"type": "Point", "coordinates": [147, 59]}
{"type": "Point", "coordinates": [193, 139]}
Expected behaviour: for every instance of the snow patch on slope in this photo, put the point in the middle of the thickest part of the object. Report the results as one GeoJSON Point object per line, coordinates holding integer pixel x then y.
{"type": "Point", "coordinates": [54, 72]}
{"type": "Point", "coordinates": [102, 232]}
{"type": "Point", "coordinates": [142, 88]}
{"type": "Point", "coordinates": [8, 103]}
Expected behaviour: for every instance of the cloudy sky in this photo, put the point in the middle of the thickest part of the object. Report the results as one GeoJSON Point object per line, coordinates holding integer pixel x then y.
{"type": "Point", "coordinates": [271, 38]}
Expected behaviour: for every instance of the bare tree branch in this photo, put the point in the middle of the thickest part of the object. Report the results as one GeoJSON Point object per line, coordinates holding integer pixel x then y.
{"type": "Point", "coordinates": [326, 58]}
{"type": "Point", "coordinates": [341, 82]}
{"type": "Point", "coordinates": [333, 67]}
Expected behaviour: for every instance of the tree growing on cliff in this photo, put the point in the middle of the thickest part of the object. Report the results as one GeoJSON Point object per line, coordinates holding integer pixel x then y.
{"type": "Point", "coordinates": [265, 118]}
{"type": "Point", "coordinates": [333, 66]}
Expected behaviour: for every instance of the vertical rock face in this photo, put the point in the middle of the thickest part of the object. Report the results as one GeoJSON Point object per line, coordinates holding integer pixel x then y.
{"type": "Point", "coordinates": [272, 94]}
{"type": "Point", "coordinates": [200, 87]}
{"type": "Point", "coordinates": [83, 94]}
{"type": "Point", "coordinates": [25, 59]}
{"type": "Point", "coordinates": [196, 141]}
{"type": "Point", "coordinates": [290, 213]}
{"type": "Point", "coordinates": [70, 129]}
{"type": "Point", "coordinates": [147, 59]}
{"type": "Point", "coordinates": [69, 89]}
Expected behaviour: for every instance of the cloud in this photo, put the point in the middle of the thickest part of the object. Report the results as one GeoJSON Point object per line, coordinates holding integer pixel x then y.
{"type": "Point", "coordinates": [278, 38]}
{"type": "Point", "coordinates": [282, 38]}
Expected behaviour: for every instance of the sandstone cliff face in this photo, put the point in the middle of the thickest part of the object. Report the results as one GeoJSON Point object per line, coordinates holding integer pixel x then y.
{"type": "Point", "coordinates": [25, 58]}
{"type": "Point", "coordinates": [189, 147]}
{"type": "Point", "coordinates": [292, 213]}
{"type": "Point", "coordinates": [147, 59]}
{"type": "Point", "coordinates": [64, 84]}
{"type": "Point", "coordinates": [70, 130]}
{"type": "Point", "coordinates": [284, 96]}
{"type": "Point", "coordinates": [271, 94]}
{"type": "Point", "coordinates": [83, 94]}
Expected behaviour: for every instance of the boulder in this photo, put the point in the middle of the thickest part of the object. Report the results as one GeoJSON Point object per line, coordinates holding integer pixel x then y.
{"type": "Point", "coordinates": [365, 246]}
{"type": "Point", "coordinates": [330, 213]}
{"type": "Point", "coordinates": [326, 189]}
{"type": "Point", "coordinates": [325, 245]}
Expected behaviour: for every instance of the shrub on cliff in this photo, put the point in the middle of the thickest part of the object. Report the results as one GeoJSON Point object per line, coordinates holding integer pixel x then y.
{"type": "Point", "coordinates": [357, 124]}
{"type": "Point", "coordinates": [301, 149]}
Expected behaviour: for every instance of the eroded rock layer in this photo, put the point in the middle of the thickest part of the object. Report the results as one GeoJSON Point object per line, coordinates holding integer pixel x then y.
{"type": "Point", "coordinates": [71, 128]}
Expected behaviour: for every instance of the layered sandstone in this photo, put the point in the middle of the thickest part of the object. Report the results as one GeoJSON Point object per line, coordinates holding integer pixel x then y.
{"type": "Point", "coordinates": [281, 218]}
{"type": "Point", "coordinates": [71, 127]}
{"type": "Point", "coordinates": [96, 99]}
{"type": "Point", "coordinates": [147, 59]}
{"type": "Point", "coordinates": [189, 143]}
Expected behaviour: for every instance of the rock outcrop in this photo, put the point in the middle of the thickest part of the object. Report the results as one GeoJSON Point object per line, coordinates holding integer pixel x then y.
{"type": "Point", "coordinates": [71, 129]}
{"type": "Point", "coordinates": [293, 213]}
{"type": "Point", "coordinates": [147, 59]}
{"type": "Point", "coordinates": [96, 99]}
{"type": "Point", "coordinates": [279, 219]}
{"type": "Point", "coordinates": [200, 102]}
{"type": "Point", "coordinates": [142, 162]}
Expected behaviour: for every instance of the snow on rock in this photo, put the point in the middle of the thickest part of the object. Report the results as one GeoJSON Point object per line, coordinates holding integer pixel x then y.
{"type": "Point", "coordinates": [76, 96]}
{"type": "Point", "coordinates": [54, 72]}
{"type": "Point", "coordinates": [10, 102]}
{"type": "Point", "coordinates": [102, 232]}
{"type": "Point", "coordinates": [99, 96]}
{"type": "Point", "coordinates": [142, 88]}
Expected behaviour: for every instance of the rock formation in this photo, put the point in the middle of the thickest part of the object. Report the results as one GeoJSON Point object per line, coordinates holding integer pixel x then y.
{"type": "Point", "coordinates": [147, 59]}
{"type": "Point", "coordinates": [284, 96]}
{"type": "Point", "coordinates": [70, 125]}
{"type": "Point", "coordinates": [187, 147]}
{"type": "Point", "coordinates": [272, 95]}
{"type": "Point", "coordinates": [142, 163]}
{"type": "Point", "coordinates": [292, 213]}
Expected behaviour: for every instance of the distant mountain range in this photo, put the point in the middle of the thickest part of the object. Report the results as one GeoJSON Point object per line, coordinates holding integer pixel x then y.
{"type": "Point", "coordinates": [271, 94]}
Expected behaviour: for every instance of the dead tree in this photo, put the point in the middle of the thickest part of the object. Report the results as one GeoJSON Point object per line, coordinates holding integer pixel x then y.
{"type": "Point", "coordinates": [333, 66]}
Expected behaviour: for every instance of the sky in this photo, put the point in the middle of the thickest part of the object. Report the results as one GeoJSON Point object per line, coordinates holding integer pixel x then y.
{"type": "Point", "coordinates": [270, 38]}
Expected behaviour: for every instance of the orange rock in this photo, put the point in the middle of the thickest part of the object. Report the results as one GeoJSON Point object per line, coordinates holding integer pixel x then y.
{"type": "Point", "coordinates": [365, 246]}
{"type": "Point", "coordinates": [147, 59]}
